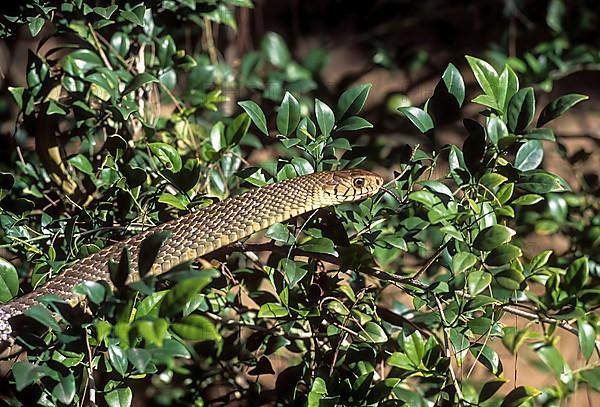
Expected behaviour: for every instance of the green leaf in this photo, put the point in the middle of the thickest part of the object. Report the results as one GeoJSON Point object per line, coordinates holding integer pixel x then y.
{"type": "Point", "coordinates": [279, 233]}
{"type": "Point", "coordinates": [94, 291]}
{"type": "Point", "coordinates": [272, 310]}
{"type": "Point", "coordinates": [592, 377]}
{"type": "Point", "coordinates": [153, 331]}
{"type": "Point", "coordinates": [288, 115]}
{"type": "Point", "coordinates": [352, 101]}
{"type": "Point", "coordinates": [26, 373]}
{"type": "Point", "coordinates": [139, 358]}
{"type": "Point", "coordinates": [149, 249]}
{"type": "Point", "coordinates": [528, 199]}
{"type": "Point", "coordinates": [353, 123]}
{"type": "Point", "coordinates": [167, 154]}
{"type": "Point", "coordinates": [542, 182]}
{"type": "Point", "coordinates": [9, 281]}
{"type": "Point", "coordinates": [64, 391]}
{"type": "Point", "coordinates": [587, 338]}
{"type": "Point", "coordinates": [135, 15]}
{"type": "Point", "coordinates": [492, 237]}
{"type": "Point", "coordinates": [553, 358]}
{"type": "Point", "coordinates": [462, 262]}
{"type": "Point", "coordinates": [478, 281]}
{"type": "Point", "coordinates": [196, 328]}
{"type": "Point", "coordinates": [82, 163]}
{"type": "Point", "coordinates": [119, 397]}
{"type": "Point", "coordinates": [274, 47]}
{"type": "Point", "coordinates": [118, 359]}
{"type": "Point", "coordinates": [519, 396]}
{"type": "Point", "coordinates": [318, 392]}
{"type": "Point", "coordinates": [292, 271]}
{"type": "Point", "coordinates": [237, 129]}
{"type": "Point", "coordinates": [35, 25]}
{"type": "Point", "coordinates": [17, 93]}
{"type": "Point", "coordinates": [510, 279]}
{"type": "Point", "coordinates": [256, 115]}
{"type": "Point", "coordinates": [177, 297]}
{"type": "Point", "coordinates": [529, 156]}
{"type": "Point", "coordinates": [454, 83]}
{"type": "Point", "coordinates": [42, 315]}
{"type": "Point", "coordinates": [418, 117]}
{"type": "Point", "coordinates": [138, 81]}
{"type": "Point", "coordinates": [521, 110]}
{"type": "Point", "coordinates": [490, 388]}
{"type": "Point", "coordinates": [503, 255]}
{"type": "Point", "coordinates": [320, 245]}
{"type": "Point", "coordinates": [495, 129]}
{"type": "Point", "coordinates": [486, 76]}
{"type": "Point", "coordinates": [372, 333]}
{"type": "Point", "coordinates": [325, 117]}
{"type": "Point", "coordinates": [487, 357]}
{"type": "Point", "coordinates": [577, 274]}
{"type": "Point", "coordinates": [559, 106]}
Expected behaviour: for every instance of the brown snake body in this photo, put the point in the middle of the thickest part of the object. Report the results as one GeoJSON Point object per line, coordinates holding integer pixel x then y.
{"type": "Point", "coordinates": [206, 230]}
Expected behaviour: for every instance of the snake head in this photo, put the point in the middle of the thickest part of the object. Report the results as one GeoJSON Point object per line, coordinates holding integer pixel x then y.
{"type": "Point", "coordinates": [352, 185]}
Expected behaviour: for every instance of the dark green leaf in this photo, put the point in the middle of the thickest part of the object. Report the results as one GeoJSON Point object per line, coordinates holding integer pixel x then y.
{"type": "Point", "coordinates": [43, 316]}
{"type": "Point", "coordinates": [418, 117]}
{"type": "Point", "coordinates": [490, 388]}
{"type": "Point", "coordinates": [178, 296]}
{"type": "Point", "coordinates": [454, 83]}
{"type": "Point", "coordinates": [272, 310]}
{"type": "Point", "coordinates": [462, 262]}
{"type": "Point", "coordinates": [353, 123]}
{"type": "Point", "coordinates": [529, 156]}
{"type": "Point", "coordinates": [138, 81]}
{"type": "Point", "coordinates": [325, 117]}
{"type": "Point", "coordinates": [64, 391]}
{"type": "Point", "coordinates": [288, 115]}
{"type": "Point", "coordinates": [492, 237]}
{"type": "Point", "coordinates": [9, 281]}
{"type": "Point", "coordinates": [93, 291]}
{"type": "Point", "coordinates": [352, 101]}
{"type": "Point", "coordinates": [167, 154]}
{"type": "Point", "coordinates": [587, 338]}
{"type": "Point", "coordinates": [495, 129]}
{"type": "Point", "coordinates": [256, 115]}
{"type": "Point", "coordinates": [528, 199]}
{"type": "Point", "coordinates": [559, 106]}
{"type": "Point", "coordinates": [519, 396]}
{"type": "Point", "coordinates": [542, 182]}
{"type": "Point", "coordinates": [372, 333]}
{"type": "Point", "coordinates": [139, 358]}
{"type": "Point", "coordinates": [82, 163]}
{"type": "Point", "coordinates": [237, 129]}
{"type": "Point", "coordinates": [35, 25]}
{"type": "Point", "coordinates": [503, 255]}
{"type": "Point", "coordinates": [521, 110]}
{"type": "Point", "coordinates": [196, 328]}
{"type": "Point", "coordinates": [119, 397]}
{"type": "Point", "coordinates": [320, 245]}
{"type": "Point", "coordinates": [478, 281]}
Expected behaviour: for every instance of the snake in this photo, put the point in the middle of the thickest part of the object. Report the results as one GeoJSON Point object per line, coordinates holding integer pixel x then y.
{"type": "Point", "coordinates": [202, 232]}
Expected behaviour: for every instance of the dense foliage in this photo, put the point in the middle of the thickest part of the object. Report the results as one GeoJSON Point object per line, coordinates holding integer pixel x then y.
{"type": "Point", "coordinates": [394, 300]}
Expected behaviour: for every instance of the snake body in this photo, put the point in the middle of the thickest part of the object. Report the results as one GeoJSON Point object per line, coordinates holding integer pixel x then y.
{"type": "Point", "coordinates": [204, 231]}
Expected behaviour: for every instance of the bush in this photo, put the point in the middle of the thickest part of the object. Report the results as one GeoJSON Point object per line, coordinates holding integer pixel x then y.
{"type": "Point", "coordinates": [384, 301]}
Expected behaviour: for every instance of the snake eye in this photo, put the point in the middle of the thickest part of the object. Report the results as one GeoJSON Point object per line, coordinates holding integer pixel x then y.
{"type": "Point", "coordinates": [359, 182]}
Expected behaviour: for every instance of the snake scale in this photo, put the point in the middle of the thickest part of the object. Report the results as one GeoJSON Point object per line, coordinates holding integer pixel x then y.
{"type": "Point", "coordinates": [204, 231]}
